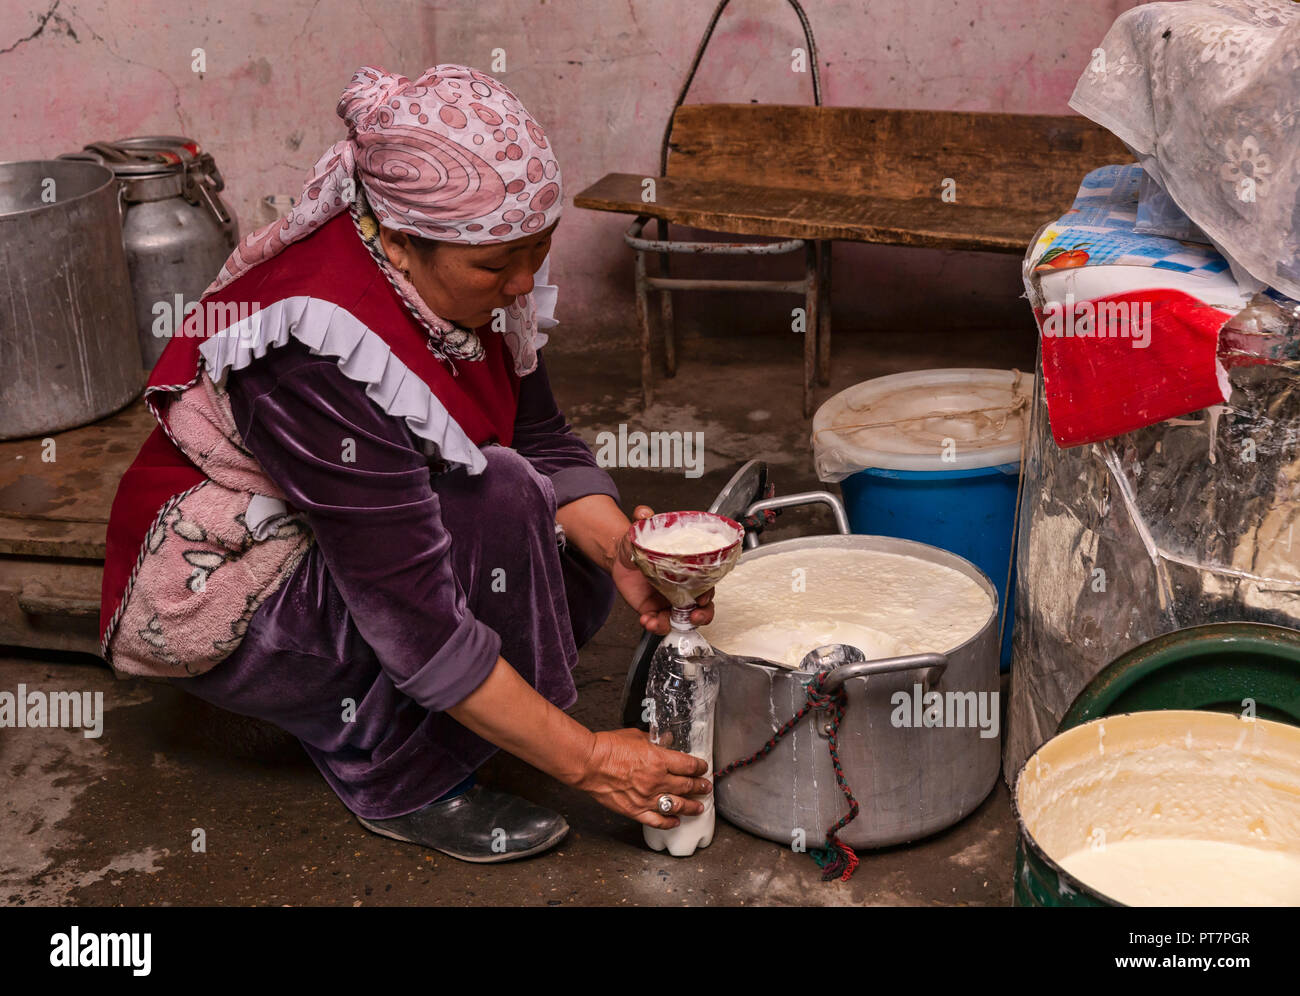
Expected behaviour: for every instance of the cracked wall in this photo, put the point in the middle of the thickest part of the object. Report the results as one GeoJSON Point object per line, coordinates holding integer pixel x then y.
{"type": "Point", "coordinates": [601, 76]}
{"type": "Point", "coordinates": [76, 72]}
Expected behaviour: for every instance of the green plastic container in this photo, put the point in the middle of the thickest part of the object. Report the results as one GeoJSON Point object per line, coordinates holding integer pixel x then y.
{"type": "Point", "coordinates": [1216, 667]}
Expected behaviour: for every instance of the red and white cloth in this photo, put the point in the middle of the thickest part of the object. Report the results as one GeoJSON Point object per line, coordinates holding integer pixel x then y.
{"type": "Point", "coordinates": [1130, 322]}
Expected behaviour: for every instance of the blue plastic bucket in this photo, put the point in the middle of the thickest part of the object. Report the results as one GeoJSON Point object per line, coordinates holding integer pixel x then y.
{"type": "Point", "coordinates": [968, 512]}
{"type": "Point", "coordinates": [921, 466]}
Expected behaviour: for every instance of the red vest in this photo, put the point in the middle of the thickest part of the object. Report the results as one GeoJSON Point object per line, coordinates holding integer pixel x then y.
{"type": "Point", "coordinates": [333, 265]}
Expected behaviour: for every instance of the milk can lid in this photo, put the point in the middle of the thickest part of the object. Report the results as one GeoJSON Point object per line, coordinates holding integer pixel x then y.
{"type": "Point", "coordinates": [142, 155]}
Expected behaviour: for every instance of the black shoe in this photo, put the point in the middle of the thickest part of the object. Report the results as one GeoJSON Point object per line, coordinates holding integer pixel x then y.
{"type": "Point", "coordinates": [480, 825]}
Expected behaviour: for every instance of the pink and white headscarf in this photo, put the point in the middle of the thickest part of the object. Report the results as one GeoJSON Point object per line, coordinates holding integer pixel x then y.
{"type": "Point", "coordinates": [453, 156]}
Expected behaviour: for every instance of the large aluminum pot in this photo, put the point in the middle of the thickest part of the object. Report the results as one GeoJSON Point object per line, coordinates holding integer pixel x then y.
{"type": "Point", "coordinates": [67, 330]}
{"type": "Point", "coordinates": [909, 781]}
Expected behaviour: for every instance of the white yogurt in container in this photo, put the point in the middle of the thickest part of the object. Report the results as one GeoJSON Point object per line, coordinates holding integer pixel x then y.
{"type": "Point", "coordinates": [694, 831]}
{"type": "Point", "coordinates": [1169, 808]}
{"type": "Point", "coordinates": [685, 539]}
{"type": "Point", "coordinates": [1173, 872]}
{"type": "Point", "coordinates": [781, 606]}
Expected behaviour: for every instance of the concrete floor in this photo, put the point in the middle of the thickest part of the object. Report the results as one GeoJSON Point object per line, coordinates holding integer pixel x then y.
{"type": "Point", "coordinates": [112, 820]}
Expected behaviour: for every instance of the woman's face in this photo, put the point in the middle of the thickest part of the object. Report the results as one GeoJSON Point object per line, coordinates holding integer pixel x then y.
{"type": "Point", "coordinates": [465, 284]}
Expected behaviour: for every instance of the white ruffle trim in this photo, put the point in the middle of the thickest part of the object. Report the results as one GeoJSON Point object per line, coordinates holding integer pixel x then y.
{"type": "Point", "coordinates": [329, 330]}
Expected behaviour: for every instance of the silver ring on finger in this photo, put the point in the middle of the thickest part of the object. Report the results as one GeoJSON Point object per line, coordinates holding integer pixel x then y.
{"type": "Point", "coordinates": [665, 804]}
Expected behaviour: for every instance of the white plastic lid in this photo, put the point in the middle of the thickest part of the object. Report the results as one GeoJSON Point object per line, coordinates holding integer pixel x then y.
{"type": "Point", "coordinates": [923, 420]}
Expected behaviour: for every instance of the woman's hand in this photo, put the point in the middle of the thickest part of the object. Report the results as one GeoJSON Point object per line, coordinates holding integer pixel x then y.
{"type": "Point", "coordinates": [625, 772]}
{"type": "Point", "coordinates": [639, 593]}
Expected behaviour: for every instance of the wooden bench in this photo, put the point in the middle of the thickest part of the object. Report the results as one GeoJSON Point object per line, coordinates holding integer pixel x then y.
{"type": "Point", "coordinates": [810, 175]}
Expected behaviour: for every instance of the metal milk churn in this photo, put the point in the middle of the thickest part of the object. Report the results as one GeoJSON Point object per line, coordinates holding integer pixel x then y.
{"type": "Point", "coordinates": [177, 230]}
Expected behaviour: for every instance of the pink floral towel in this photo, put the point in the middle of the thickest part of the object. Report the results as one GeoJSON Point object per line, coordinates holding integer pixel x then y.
{"type": "Point", "coordinates": [210, 559]}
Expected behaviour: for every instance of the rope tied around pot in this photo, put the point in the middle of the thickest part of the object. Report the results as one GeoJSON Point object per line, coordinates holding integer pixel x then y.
{"type": "Point", "coordinates": [836, 859]}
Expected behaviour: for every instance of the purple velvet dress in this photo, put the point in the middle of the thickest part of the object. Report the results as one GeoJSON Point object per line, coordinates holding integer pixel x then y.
{"type": "Point", "coordinates": [416, 582]}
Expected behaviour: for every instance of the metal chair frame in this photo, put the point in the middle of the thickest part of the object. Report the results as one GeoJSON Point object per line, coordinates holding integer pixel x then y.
{"type": "Point", "coordinates": [814, 285]}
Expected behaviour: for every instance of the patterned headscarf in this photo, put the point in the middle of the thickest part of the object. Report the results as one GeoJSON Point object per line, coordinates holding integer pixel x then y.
{"type": "Point", "coordinates": [452, 156]}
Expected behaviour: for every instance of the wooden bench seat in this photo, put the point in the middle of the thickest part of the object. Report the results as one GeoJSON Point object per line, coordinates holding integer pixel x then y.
{"type": "Point", "coordinates": [783, 212]}
{"type": "Point", "coordinates": [823, 174]}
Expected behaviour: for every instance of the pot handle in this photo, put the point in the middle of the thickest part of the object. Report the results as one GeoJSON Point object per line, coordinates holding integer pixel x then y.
{"type": "Point", "coordinates": [790, 501]}
{"type": "Point", "coordinates": [88, 156]}
{"type": "Point", "coordinates": [205, 189]}
{"type": "Point", "coordinates": [937, 664]}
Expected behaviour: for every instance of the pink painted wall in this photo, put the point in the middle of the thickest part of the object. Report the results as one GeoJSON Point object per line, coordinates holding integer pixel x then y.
{"type": "Point", "coordinates": [600, 76]}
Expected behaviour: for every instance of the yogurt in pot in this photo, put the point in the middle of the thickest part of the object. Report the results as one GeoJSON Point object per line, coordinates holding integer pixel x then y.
{"type": "Point", "coordinates": [780, 607]}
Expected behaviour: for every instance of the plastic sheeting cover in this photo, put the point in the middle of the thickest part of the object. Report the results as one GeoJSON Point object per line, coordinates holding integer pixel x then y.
{"type": "Point", "coordinates": [1188, 521]}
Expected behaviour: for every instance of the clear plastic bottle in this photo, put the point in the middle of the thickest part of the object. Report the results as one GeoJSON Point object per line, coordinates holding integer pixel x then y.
{"type": "Point", "coordinates": [683, 688]}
